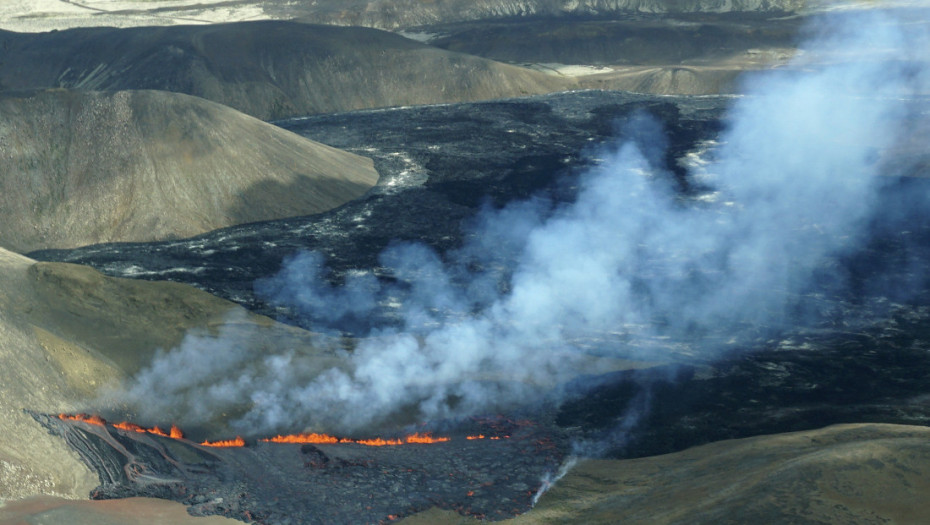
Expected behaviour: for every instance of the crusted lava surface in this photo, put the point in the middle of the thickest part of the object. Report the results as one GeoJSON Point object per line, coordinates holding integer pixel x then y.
{"type": "Point", "coordinates": [439, 166]}
{"type": "Point", "coordinates": [280, 483]}
{"type": "Point", "coordinates": [851, 348]}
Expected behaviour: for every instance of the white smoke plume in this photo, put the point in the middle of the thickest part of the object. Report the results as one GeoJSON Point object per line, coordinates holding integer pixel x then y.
{"type": "Point", "coordinates": [792, 183]}
{"type": "Point", "coordinates": [549, 480]}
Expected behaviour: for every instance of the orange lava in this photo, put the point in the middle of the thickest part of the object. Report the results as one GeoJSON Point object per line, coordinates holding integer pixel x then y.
{"type": "Point", "coordinates": [325, 439]}
{"type": "Point", "coordinates": [238, 442]}
{"type": "Point", "coordinates": [416, 438]}
{"type": "Point", "coordinates": [318, 439]}
{"type": "Point", "coordinates": [378, 442]}
{"type": "Point", "coordinates": [425, 438]}
{"type": "Point", "coordinates": [132, 427]}
{"type": "Point", "coordinates": [84, 418]}
{"type": "Point", "coordinates": [157, 431]}
{"type": "Point", "coordinates": [175, 432]}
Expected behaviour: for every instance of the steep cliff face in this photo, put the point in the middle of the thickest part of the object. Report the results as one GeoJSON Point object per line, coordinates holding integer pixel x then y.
{"type": "Point", "coordinates": [266, 69]}
{"type": "Point", "coordinates": [86, 167]}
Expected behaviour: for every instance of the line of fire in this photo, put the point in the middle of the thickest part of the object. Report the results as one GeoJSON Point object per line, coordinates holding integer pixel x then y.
{"type": "Point", "coordinates": [417, 438]}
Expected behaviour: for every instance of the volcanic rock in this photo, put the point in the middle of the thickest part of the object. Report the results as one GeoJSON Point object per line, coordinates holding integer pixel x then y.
{"type": "Point", "coordinates": [87, 167]}
{"type": "Point", "coordinates": [443, 172]}
{"type": "Point", "coordinates": [440, 165]}
{"type": "Point", "coordinates": [269, 70]}
{"type": "Point", "coordinates": [274, 483]}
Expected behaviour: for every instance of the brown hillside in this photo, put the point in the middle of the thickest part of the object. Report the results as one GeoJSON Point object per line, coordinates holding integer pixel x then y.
{"type": "Point", "coordinates": [867, 473]}
{"type": "Point", "coordinates": [266, 69]}
{"type": "Point", "coordinates": [66, 331]}
{"type": "Point", "coordinates": [88, 167]}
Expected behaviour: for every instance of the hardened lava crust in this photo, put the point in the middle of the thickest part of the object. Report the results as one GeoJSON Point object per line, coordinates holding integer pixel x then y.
{"type": "Point", "coordinates": [489, 468]}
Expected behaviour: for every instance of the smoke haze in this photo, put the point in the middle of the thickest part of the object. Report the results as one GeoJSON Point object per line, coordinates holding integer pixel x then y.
{"type": "Point", "coordinates": [793, 182]}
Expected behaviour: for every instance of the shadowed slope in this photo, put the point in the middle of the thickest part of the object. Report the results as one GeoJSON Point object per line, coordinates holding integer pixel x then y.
{"type": "Point", "coordinates": [266, 69]}
{"type": "Point", "coordinates": [82, 168]}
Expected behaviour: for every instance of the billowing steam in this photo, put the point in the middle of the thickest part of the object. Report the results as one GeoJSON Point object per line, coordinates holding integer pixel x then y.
{"type": "Point", "coordinates": [790, 184]}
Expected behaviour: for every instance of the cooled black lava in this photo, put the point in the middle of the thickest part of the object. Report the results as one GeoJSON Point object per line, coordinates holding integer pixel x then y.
{"type": "Point", "coordinates": [854, 353]}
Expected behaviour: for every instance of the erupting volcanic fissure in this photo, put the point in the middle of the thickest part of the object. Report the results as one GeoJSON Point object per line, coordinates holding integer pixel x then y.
{"type": "Point", "coordinates": [485, 467]}
{"type": "Point", "coordinates": [95, 419]}
{"type": "Point", "coordinates": [238, 442]}
{"type": "Point", "coordinates": [417, 438]}
{"type": "Point", "coordinates": [323, 439]}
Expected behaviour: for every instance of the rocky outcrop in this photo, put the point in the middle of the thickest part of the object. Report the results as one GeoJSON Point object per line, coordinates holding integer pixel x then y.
{"type": "Point", "coordinates": [88, 167]}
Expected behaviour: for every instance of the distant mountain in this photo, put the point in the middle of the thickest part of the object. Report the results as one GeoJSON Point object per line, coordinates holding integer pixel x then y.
{"type": "Point", "coordinates": [397, 14]}
{"type": "Point", "coordinates": [684, 53]}
{"type": "Point", "coordinates": [87, 167]}
{"type": "Point", "coordinates": [269, 70]}
{"type": "Point", "coordinates": [645, 40]}
{"type": "Point", "coordinates": [46, 15]}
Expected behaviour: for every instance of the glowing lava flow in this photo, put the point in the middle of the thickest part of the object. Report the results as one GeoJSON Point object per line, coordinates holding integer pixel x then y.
{"type": "Point", "coordinates": [416, 438]}
{"type": "Point", "coordinates": [238, 442]}
{"type": "Point", "coordinates": [312, 438]}
{"type": "Point", "coordinates": [84, 418]}
{"type": "Point", "coordinates": [175, 432]}
{"type": "Point", "coordinates": [326, 439]}
{"type": "Point", "coordinates": [425, 438]}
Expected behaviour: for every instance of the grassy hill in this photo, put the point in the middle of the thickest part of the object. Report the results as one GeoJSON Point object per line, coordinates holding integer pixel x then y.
{"type": "Point", "coordinates": [865, 473]}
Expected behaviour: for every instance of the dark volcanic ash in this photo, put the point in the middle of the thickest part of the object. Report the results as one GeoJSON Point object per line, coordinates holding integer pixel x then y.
{"type": "Point", "coordinates": [792, 184]}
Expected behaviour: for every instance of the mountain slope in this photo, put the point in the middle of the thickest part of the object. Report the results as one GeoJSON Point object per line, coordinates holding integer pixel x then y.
{"type": "Point", "coordinates": [46, 15]}
{"type": "Point", "coordinates": [266, 69]}
{"type": "Point", "coordinates": [88, 167]}
{"type": "Point", "coordinates": [396, 14]}
{"type": "Point", "coordinates": [66, 331]}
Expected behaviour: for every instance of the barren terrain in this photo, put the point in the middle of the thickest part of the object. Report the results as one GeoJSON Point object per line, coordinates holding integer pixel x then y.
{"type": "Point", "coordinates": [68, 332]}
{"type": "Point", "coordinates": [375, 219]}
{"type": "Point", "coordinates": [46, 15]}
{"type": "Point", "coordinates": [87, 167]}
{"type": "Point", "coordinates": [270, 69]}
